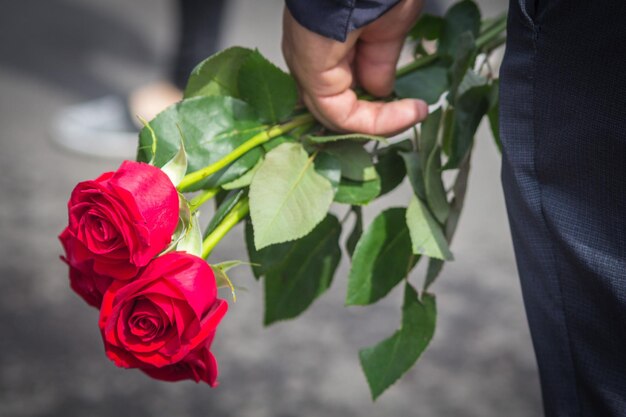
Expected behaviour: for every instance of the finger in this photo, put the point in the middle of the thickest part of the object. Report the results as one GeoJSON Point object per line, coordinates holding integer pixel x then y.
{"type": "Point", "coordinates": [343, 112]}
{"type": "Point", "coordinates": [376, 65]}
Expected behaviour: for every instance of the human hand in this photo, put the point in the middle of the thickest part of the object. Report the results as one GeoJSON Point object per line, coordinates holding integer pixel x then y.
{"type": "Point", "coordinates": [327, 72]}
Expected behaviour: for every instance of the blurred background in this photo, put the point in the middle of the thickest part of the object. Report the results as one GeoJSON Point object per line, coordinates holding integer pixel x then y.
{"type": "Point", "coordinates": [58, 53]}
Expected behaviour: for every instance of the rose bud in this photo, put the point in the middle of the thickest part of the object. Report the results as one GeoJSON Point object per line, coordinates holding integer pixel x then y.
{"type": "Point", "coordinates": [199, 365]}
{"type": "Point", "coordinates": [122, 219]}
{"type": "Point", "coordinates": [168, 311]}
{"type": "Point", "coordinates": [83, 280]}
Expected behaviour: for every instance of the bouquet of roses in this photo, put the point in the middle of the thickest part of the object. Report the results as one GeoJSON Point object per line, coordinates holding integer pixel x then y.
{"type": "Point", "coordinates": [137, 252]}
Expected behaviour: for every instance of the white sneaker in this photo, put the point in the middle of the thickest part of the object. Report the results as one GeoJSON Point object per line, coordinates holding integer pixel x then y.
{"type": "Point", "coordinates": [100, 127]}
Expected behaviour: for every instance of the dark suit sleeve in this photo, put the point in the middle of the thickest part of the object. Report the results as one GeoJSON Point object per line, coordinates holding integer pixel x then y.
{"type": "Point", "coordinates": [336, 18]}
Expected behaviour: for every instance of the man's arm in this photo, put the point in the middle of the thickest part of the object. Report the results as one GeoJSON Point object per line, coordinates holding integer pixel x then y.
{"type": "Point", "coordinates": [336, 18]}
{"type": "Point", "coordinates": [327, 70]}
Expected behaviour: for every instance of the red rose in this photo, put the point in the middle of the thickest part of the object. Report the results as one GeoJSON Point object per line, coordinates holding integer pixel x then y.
{"type": "Point", "coordinates": [83, 280]}
{"type": "Point", "coordinates": [122, 219]}
{"type": "Point", "coordinates": [168, 311]}
{"type": "Point", "coordinates": [199, 365]}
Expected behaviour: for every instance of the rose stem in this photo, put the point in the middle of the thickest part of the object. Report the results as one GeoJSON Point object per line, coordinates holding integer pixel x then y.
{"type": "Point", "coordinates": [238, 212]}
{"type": "Point", "coordinates": [251, 143]}
{"type": "Point", "coordinates": [200, 199]}
{"type": "Point", "coordinates": [493, 31]}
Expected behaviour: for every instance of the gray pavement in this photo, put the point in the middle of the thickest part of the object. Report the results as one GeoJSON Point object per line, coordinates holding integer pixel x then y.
{"type": "Point", "coordinates": [59, 52]}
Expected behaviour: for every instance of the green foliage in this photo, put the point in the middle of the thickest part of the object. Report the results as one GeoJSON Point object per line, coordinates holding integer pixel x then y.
{"type": "Point", "coordinates": [329, 167]}
{"type": "Point", "coordinates": [288, 177]}
{"type": "Point", "coordinates": [191, 239]}
{"type": "Point", "coordinates": [245, 179]}
{"type": "Point", "coordinates": [303, 272]}
{"type": "Point", "coordinates": [357, 230]}
{"type": "Point", "coordinates": [212, 127]}
{"type": "Point", "coordinates": [414, 172]}
{"type": "Point", "coordinates": [272, 92]}
{"type": "Point", "coordinates": [427, 83]}
{"type": "Point", "coordinates": [435, 190]}
{"type": "Point", "coordinates": [432, 272]}
{"type": "Point", "coordinates": [357, 192]}
{"type": "Point", "coordinates": [387, 361]}
{"type": "Point", "coordinates": [175, 168]}
{"type": "Point", "coordinates": [382, 258]}
{"type": "Point", "coordinates": [218, 75]}
{"type": "Point", "coordinates": [494, 113]}
{"type": "Point", "coordinates": [356, 163]}
{"type": "Point", "coordinates": [221, 275]}
{"type": "Point", "coordinates": [268, 146]}
{"type": "Point", "coordinates": [287, 197]}
{"type": "Point", "coordinates": [427, 27]}
{"type": "Point", "coordinates": [351, 136]}
{"type": "Point", "coordinates": [448, 128]}
{"type": "Point", "coordinates": [465, 56]}
{"type": "Point", "coordinates": [224, 207]}
{"type": "Point", "coordinates": [469, 111]}
{"type": "Point", "coordinates": [471, 79]}
{"type": "Point", "coordinates": [261, 261]}
{"type": "Point", "coordinates": [428, 135]}
{"type": "Point", "coordinates": [462, 17]}
{"type": "Point", "coordinates": [390, 166]}
{"type": "Point", "coordinates": [427, 237]}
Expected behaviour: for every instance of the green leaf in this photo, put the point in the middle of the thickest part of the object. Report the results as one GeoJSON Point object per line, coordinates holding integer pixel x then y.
{"type": "Point", "coordinates": [414, 172]}
{"type": "Point", "coordinates": [287, 197]}
{"type": "Point", "coordinates": [356, 192]}
{"type": "Point", "coordinates": [465, 56]}
{"type": "Point", "coordinates": [218, 74]}
{"type": "Point", "coordinates": [153, 137]}
{"type": "Point", "coordinates": [225, 206]}
{"type": "Point", "coordinates": [271, 91]}
{"type": "Point", "coordinates": [390, 166]}
{"type": "Point", "coordinates": [427, 27]}
{"type": "Point", "coordinates": [260, 261]}
{"type": "Point", "coordinates": [221, 277]}
{"type": "Point", "coordinates": [471, 79]}
{"type": "Point", "coordinates": [212, 127]}
{"type": "Point", "coordinates": [382, 258]}
{"type": "Point", "coordinates": [357, 230]}
{"type": "Point", "coordinates": [428, 135]}
{"type": "Point", "coordinates": [459, 189]}
{"type": "Point", "coordinates": [191, 240]}
{"type": "Point", "coordinates": [403, 145]}
{"type": "Point", "coordinates": [303, 273]}
{"type": "Point", "coordinates": [427, 238]}
{"type": "Point", "coordinates": [245, 179]}
{"type": "Point", "coordinates": [184, 223]}
{"type": "Point", "coordinates": [469, 111]}
{"type": "Point", "coordinates": [176, 167]}
{"type": "Point", "coordinates": [358, 137]}
{"type": "Point", "coordinates": [435, 190]}
{"type": "Point", "coordinates": [494, 113]}
{"type": "Point", "coordinates": [463, 16]}
{"type": "Point", "coordinates": [448, 128]}
{"type": "Point", "coordinates": [434, 269]}
{"type": "Point", "coordinates": [329, 167]}
{"type": "Point", "coordinates": [356, 163]}
{"type": "Point", "coordinates": [384, 363]}
{"type": "Point", "coordinates": [268, 146]}
{"type": "Point", "coordinates": [427, 83]}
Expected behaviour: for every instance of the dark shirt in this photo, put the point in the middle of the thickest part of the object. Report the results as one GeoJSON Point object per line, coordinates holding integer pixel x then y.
{"type": "Point", "coordinates": [336, 18]}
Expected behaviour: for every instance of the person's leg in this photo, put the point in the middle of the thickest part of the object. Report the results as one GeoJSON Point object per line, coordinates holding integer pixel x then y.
{"type": "Point", "coordinates": [563, 127]}
{"type": "Point", "coordinates": [107, 127]}
{"type": "Point", "coordinates": [200, 24]}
